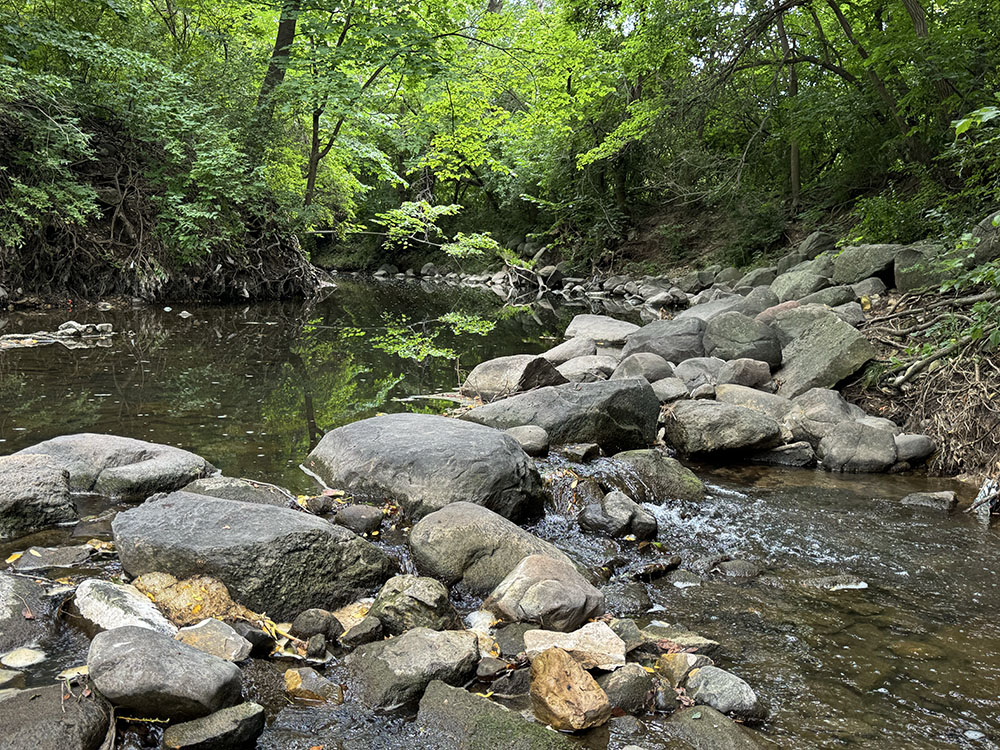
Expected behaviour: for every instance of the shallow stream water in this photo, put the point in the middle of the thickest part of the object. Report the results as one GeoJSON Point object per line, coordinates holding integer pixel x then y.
{"type": "Point", "coordinates": [912, 660]}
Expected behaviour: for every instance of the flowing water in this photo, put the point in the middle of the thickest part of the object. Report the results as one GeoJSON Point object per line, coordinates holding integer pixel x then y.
{"type": "Point", "coordinates": [908, 656]}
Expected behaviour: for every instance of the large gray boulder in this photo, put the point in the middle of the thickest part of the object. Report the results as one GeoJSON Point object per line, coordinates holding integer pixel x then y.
{"type": "Point", "coordinates": [616, 414]}
{"type": "Point", "coordinates": [921, 267]}
{"type": "Point", "coordinates": [589, 369]}
{"type": "Point", "coordinates": [649, 476]}
{"type": "Point", "coordinates": [817, 412]}
{"type": "Point", "coordinates": [496, 378]}
{"type": "Point", "coordinates": [617, 515]}
{"type": "Point", "coordinates": [758, 277]}
{"type": "Point", "coordinates": [859, 262]}
{"type": "Point", "coordinates": [580, 346]}
{"type": "Point", "coordinates": [600, 328]}
{"type": "Point", "coordinates": [546, 591]}
{"type": "Point", "coordinates": [18, 594]}
{"type": "Point", "coordinates": [121, 467]}
{"type": "Point", "coordinates": [272, 560]}
{"type": "Point", "coordinates": [50, 718]}
{"type": "Point", "coordinates": [986, 234]}
{"type": "Point", "coordinates": [34, 494]}
{"type": "Point", "coordinates": [468, 543]}
{"type": "Point", "coordinates": [824, 354]}
{"type": "Point", "coordinates": [140, 670]}
{"type": "Point", "coordinates": [733, 335]}
{"type": "Point", "coordinates": [699, 371]}
{"type": "Point", "coordinates": [425, 462]}
{"type": "Point", "coordinates": [646, 365]}
{"type": "Point", "coordinates": [674, 340]}
{"type": "Point", "coordinates": [395, 672]}
{"type": "Point", "coordinates": [407, 601]}
{"type": "Point", "coordinates": [796, 284]}
{"type": "Point", "coordinates": [243, 490]}
{"type": "Point", "coordinates": [774, 406]}
{"type": "Point", "coordinates": [791, 319]}
{"type": "Point", "coordinates": [697, 427]}
{"type": "Point", "coordinates": [856, 447]}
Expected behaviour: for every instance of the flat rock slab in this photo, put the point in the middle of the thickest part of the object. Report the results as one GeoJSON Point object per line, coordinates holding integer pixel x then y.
{"type": "Point", "coordinates": [594, 646]}
{"type": "Point", "coordinates": [272, 560]}
{"type": "Point", "coordinates": [425, 462]}
{"type": "Point", "coordinates": [616, 414]}
{"type": "Point", "coordinates": [34, 494]}
{"type": "Point", "coordinates": [121, 467]}
{"type": "Point", "coordinates": [234, 727]}
{"type": "Point", "coordinates": [17, 595]}
{"type": "Point", "coordinates": [49, 718]}
{"type": "Point", "coordinates": [148, 672]}
{"type": "Point", "coordinates": [601, 328]}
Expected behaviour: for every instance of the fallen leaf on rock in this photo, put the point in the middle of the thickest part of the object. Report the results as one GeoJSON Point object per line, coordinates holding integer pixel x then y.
{"type": "Point", "coordinates": [14, 557]}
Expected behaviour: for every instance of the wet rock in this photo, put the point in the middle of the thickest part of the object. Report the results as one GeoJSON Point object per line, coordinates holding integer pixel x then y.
{"type": "Point", "coordinates": [368, 630]}
{"type": "Point", "coordinates": [658, 637]}
{"type": "Point", "coordinates": [307, 684]}
{"type": "Point", "coordinates": [837, 582]}
{"type": "Point", "coordinates": [17, 595]}
{"type": "Point", "coordinates": [683, 579]}
{"type": "Point", "coordinates": [48, 558]}
{"type": "Point", "coordinates": [121, 467]}
{"type": "Point", "coordinates": [654, 477]}
{"type": "Point", "coordinates": [669, 390]}
{"type": "Point", "coordinates": [628, 631]}
{"type": "Point", "coordinates": [600, 328]}
{"type": "Point", "coordinates": [726, 693]}
{"type": "Point", "coordinates": [261, 644]}
{"type": "Point", "coordinates": [22, 658]}
{"type": "Point", "coordinates": [316, 647]}
{"type": "Point", "coordinates": [510, 637]}
{"type": "Point", "coordinates": [34, 494]}
{"type": "Point", "coordinates": [825, 353]}
{"type": "Point", "coordinates": [11, 678]}
{"type": "Point", "coordinates": [581, 452]}
{"type": "Point", "coordinates": [817, 413]}
{"type": "Point", "coordinates": [617, 515]}
{"type": "Point", "coordinates": [944, 500]}
{"type": "Point", "coordinates": [423, 462]}
{"type": "Point", "coordinates": [395, 672]}
{"type": "Point", "coordinates": [799, 454]}
{"type": "Point", "coordinates": [468, 543]}
{"type": "Point", "coordinates": [623, 598]}
{"type": "Point", "coordinates": [858, 262]}
{"type": "Point", "coordinates": [513, 684]}
{"type": "Point", "coordinates": [768, 404]}
{"type": "Point", "coordinates": [472, 722]}
{"type": "Point", "coordinates": [588, 369]}
{"type": "Point", "coordinates": [743, 569]}
{"type": "Point", "coordinates": [564, 695]}
{"type": "Point", "coordinates": [144, 671]}
{"type": "Point", "coordinates": [228, 729]}
{"type": "Point", "coordinates": [618, 414]}
{"type": "Point", "coordinates": [646, 365]}
{"type": "Point", "coordinates": [308, 561]}
{"type": "Point", "coordinates": [361, 519]}
{"type": "Point", "coordinates": [794, 285]}
{"type": "Point", "coordinates": [547, 591]}
{"type": "Point", "coordinates": [629, 688]}
{"type": "Point", "coordinates": [106, 605]}
{"type": "Point", "coordinates": [857, 448]}
{"type": "Point", "coordinates": [704, 728]}
{"type": "Point", "coordinates": [49, 718]}
{"type": "Point", "coordinates": [191, 600]}
{"type": "Point", "coordinates": [674, 340]}
{"type": "Point", "coordinates": [594, 646]}
{"type": "Point", "coordinates": [698, 427]}
{"type": "Point", "coordinates": [216, 638]}
{"type": "Point", "coordinates": [243, 490]}
{"type": "Point", "coordinates": [533, 440]}
{"type": "Point", "coordinates": [733, 335]}
{"type": "Point", "coordinates": [914, 448]}
{"type": "Point", "coordinates": [500, 377]}
{"type": "Point", "coordinates": [580, 346]}
{"type": "Point", "coordinates": [676, 667]}
{"type": "Point", "coordinates": [751, 373]}
{"type": "Point", "coordinates": [407, 601]}
{"type": "Point", "coordinates": [317, 622]}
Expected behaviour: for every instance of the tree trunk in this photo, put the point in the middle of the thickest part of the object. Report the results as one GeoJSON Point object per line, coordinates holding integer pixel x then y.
{"type": "Point", "coordinates": [793, 143]}
{"type": "Point", "coordinates": [279, 56]}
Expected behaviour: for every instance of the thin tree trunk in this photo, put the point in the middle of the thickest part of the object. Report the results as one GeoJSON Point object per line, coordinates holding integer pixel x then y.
{"type": "Point", "coordinates": [279, 56]}
{"type": "Point", "coordinates": [794, 178]}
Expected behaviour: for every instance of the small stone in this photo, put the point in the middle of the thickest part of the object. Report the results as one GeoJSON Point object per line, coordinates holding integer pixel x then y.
{"type": "Point", "coordinates": [513, 684]}
{"type": "Point", "coordinates": [23, 657]}
{"type": "Point", "coordinates": [314, 621]}
{"type": "Point", "coordinates": [595, 645]}
{"type": "Point", "coordinates": [581, 452]}
{"type": "Point", "coordinates": [629, 688]}
{"type": "Point", "coordinates": [307, 684]}
{"type": "Point", "coordinates": [234, 727]}
{"type": "Point", "coordinates": [216, 638]}
{"type": "Point", "coordinates": [316, 647]}
{"type": "Point", "coordinates": [675, 667]}
{"type": "Point", "coordinates": [490, 668]}
{"type": "Point", "coordinates": [10, 678]}
{"type": "Point", "coordinates": [564, 695]}
{"type": "Point", "coordinates": [533, 440]}
{"type": "Point", "coordinates": [45, 558]}
{"type": "Point", "coordinates": [944, 500]}
{"type": "Point", "coordinates": [628, 631]}
{"type": "Point", "coordinates": [368, 630]}
{"type": "Point", "coordinates": [361, 519]}
{"type": "Point", "coordinates": [408, 601]}
{"type": "Point", "coordinates": [510, 638]}
{"type": "Point", "coordinates": [726, 693]}
{"type": "Point", "coordinates": [261, 644]}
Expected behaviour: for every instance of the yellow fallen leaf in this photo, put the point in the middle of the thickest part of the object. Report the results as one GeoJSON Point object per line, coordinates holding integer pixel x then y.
{"type": "Point", "coordinates": [14, 558]}
{"type": "Point", "coordinates": [196, 608]}
{"type": "Point", "coordinates": [34, 552]}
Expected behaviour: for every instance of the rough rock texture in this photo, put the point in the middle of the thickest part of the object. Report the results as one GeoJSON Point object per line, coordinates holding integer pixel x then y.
{"type": "Point", "coordinates": [618, 515]}
{"type": "Point", "coordinates": [425, 462]}
{"type": "Point", "coordinates": [121, 467]}
{"type": "Point", "coordinates": [695, 427]}
{"type": "Point", "coordinates": [141, 670]}
{"type": "Point", "coordinates": [831, 296]}
{"type": "Point", "coordinates": [790, 319]}
{"type": "Point", "coordinates": [769, 404]}
{"type": "Point", "coordinates": [594, 646]}
{"type": "Point", "coordinates": [800, 454]}
{"type": "Point", "coordinates": [496, 378]}
{"type": "Point", "coordinates": [914, 448]}
{"type": "Point", "coordinates": [704, 728]}
{"type": "Point", "coordinates": [857, 448]}
{"type": "Point", "coordinates": [49, 718]}
{"type": "Point", "coordinates": [216, 638]}
{"type": "Point", "coordinates": [647, 365]}
{"type": "Point", "coordinates": [476, 723]}
{"type": "Point", "coordinates": [824, 354]}
{"type": "Point", "coordinates": [273, 560]}
{"type": "Point", "coordinates": [944, 500]}
{"type": "Point", "coordinates": [751, 373]}
{"type": "Point", "coordinates": [733, 335]}
{"type": "Point", "coordinates": [590, 369]}
{"type": "Point", "coordinates": [16, 630]}
{"type": "Point", "coordinates": [305, 683]}
{"type": "Point", "coordinates": [726, 693]}
{"type": "Point", "coordinates": [229, 729]}
{"type": "Point", "coordinates": [316, 621]}
{"type": "Point", "coordinates": [34, 494]}
{"type": "Point", "coordinates": [564, 695]}
{"type": "Point", "coordinates": [817, 412]}
{"type": "Point", "coordinates": [468, 543]}
{"type": "Point", "coordinates": [617, 414]}
{"type": "Point", "coordinates": [699, 371]}
{"type": "Point", "coordinates": [650, 476]}
{"type": "Point", "coordinates": [674, 340]}
{"type": "Point", "coordinates": [546, 591]}
{"type": "Point", "coordinates": [581, 346]}
{"type": "Point", "coordinates": [244, 490]}
{"type": "Point", "coordinates": [106, 605]}
{"type": "Point", "coordinates": [600, 328]}
{"type": "Point", "coordinates": [629, 688]}
{"type": "Point", "coordinates": [675, 667]}
{"type": "Point", "coordinates": [395, 672]}
{"type": "Point", "coordinates": [669, 390]}
{"type": "Point", "coordinates": [406, 602]}
{"type": "Point", "coordinates": [920, 267]}
{"type": "Point", "coordinates": [361, 519]}
{"type": "Point", "coordinates": [793, 285]}
{"type": "Point", "coordinates": [533, 440]}
{"type": "Point", "coordinates": [859, 262]}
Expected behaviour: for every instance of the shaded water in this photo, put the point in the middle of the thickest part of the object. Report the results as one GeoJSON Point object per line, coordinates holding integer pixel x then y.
{"type": "Point", "coordinates": [911, 661]}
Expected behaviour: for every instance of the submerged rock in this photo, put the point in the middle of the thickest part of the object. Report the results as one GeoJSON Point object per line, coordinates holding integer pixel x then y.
{"type": "Point", "coordinates": [704, 728]}
{"type": "Point", "coordinates": [34, 494]}
{"type": "Point", "coordinates": [425, 462]}
{"type": "Point", "coordinates": [307, 684]}
{"type": "Point", "coordinates": [121, 467]}
{"type": "Point", "coordinates": [564, 695]}
{"type": "Point", "coordinates": [944, 500]}
{"type": "Point", "coordinates": [274, 560]}
{"type": "Point", "coordinates": [18, 595]}
{"type": "Point", "coordinates": [50, 718]}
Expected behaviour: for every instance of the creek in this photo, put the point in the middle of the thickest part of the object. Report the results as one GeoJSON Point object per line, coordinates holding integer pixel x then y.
{"type": "Point", "coordinates": [911, 659]}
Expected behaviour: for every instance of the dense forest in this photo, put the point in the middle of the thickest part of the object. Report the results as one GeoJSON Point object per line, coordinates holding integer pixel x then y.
{"type": "Point", "coordinates": [211, 148]}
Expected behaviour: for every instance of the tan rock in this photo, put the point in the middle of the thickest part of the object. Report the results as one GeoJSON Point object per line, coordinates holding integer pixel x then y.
{"type": "Point", "coordinates": [308, 684]}
{"type": "Point", "coordinates": [595, 645]}
{"type": "Point", "coordinates": [675, 667]}
{"type": "Point", "coordinates": [564, 694]}
{"type": "Point", "coordinates": [189, 601]}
